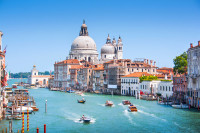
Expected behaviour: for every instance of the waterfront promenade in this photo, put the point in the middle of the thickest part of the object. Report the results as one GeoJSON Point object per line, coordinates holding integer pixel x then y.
{"type": "Point", "coordinates": [63, 113]}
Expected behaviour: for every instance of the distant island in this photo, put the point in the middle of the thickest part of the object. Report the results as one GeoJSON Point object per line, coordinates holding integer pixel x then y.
{"type": "Point", "coordinates": [26, 74]}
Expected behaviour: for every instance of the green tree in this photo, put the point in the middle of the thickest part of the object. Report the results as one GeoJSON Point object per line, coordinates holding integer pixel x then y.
{"type": "Point", "coordinates": [180, 63]}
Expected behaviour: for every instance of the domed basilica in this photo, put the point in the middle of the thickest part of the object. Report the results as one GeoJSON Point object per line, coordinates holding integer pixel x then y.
{"type": "Point", "coordinates": [84, 48]}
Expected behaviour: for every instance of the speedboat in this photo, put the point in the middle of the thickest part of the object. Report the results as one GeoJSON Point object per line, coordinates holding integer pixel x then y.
{"type": "Point", "coordinates": [81, 101]}
{"type": "Point", "coordinates": [126, 102]}
{"type": "Point", "coordinates": [180, 106]}
{"type": "Point", "coordinates": [132, 108]}
{"type": "Point", "coordinates": [85, 119]}
{"type": "Point", "coordinates": [109, 103]}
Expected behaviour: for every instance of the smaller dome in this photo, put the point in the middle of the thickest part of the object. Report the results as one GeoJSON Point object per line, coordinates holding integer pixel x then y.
{"type": "Point", "coordinates": [108, 49]}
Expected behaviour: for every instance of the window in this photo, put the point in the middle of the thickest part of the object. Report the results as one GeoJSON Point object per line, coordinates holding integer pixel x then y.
{"type": "Point", "coordinates": [160, 88]}
{"type": "Point", "coordinates": [128, 69]}
{"type": "Point", "coordinates": [169, 88]}
{"type": "Point", "coordinates": [104, 56]}
{"type": "Point", "coordinates": [166, 88]}
{"type": "Point", "coordinates": [142, 70]}
{"type": "Point", "coordinates": [153, 70]}
{"type": "Point", "coordinates": [132, 70]}
{"type": "Point", "coordinates": [75, 58]}
{"type": "Point", "coordinates": [163, 88]}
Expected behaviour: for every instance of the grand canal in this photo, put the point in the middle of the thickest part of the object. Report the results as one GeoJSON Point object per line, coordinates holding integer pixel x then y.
{"type": "Point", "coordinates": [63, 113]}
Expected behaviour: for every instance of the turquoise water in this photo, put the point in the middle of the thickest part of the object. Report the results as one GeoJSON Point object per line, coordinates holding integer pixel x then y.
{"type": "Point", "coordinates": [63, 113]}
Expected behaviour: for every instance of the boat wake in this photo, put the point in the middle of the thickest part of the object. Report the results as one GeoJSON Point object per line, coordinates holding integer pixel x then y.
{"type": "Point", "coordinates": [139, 106]}
{"type": "Point", "coordinates": [127, 114]}
{"type": "Point", "coordinates": [152, 115]}
{"type": "Point", "coordinates": [105, 105]}
{"type": "Point", "coordinates": [120, 104]}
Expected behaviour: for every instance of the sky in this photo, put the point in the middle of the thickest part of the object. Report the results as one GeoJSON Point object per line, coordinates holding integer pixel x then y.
{"type": "Point", "coordinates": [40, 32]}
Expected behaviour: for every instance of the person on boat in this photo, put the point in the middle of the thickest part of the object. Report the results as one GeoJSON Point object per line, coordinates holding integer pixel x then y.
{"type": "Point", "coordinates": [83, 99]}
{"type": "Point", "coordinates": [83, 117]}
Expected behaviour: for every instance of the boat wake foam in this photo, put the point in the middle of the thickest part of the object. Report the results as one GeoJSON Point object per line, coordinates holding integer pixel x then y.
{"type": "Point", "coordinates": [152, 115]}
{"type": "Point", "coordinates": [126, 113]}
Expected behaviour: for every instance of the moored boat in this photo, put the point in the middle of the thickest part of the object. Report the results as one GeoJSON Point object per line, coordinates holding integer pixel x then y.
{"type": "Point", "coordinates": [180, 106]}
{"type": "Point", "coordinates": [109, 103]}
{"type": "Point", "coordinates": [24, 109]}
{"type": "Point", "coordinates": [132, 108]}
{"type": "Point", "coordinates": [14, 86]}
{"type": "Point", "coordinates": [126, 102]}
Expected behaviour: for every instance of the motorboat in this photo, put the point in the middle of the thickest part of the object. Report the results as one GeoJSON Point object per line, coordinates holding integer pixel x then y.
{"type": "Point", "coordinates": [24, 109]}
{"type": "Point", "coordinates": [180, 106]}
{"type": "Point", "coordinates": [34, 108]}
{"type": "Point", "coordinates": [126, 102]}
{"type": "Point", "coordinates": [109, 103]}
{"type": "Point", "coordinates": [18, 117]}
{"type": "Point", "coordinates": [132, 108]}
{"type": "Point", "coordinates": [161, 103]}
{"type": "Point", "coordinates": [85, 119]}
{"type": "Point", "coordinates": [81, 101]}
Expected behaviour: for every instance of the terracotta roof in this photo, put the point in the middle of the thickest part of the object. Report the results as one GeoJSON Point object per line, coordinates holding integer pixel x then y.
{"type": "Point", "coordinates": [137, 74]}
{"type": "Point", "coordinates": [75, 66]}
{"type": "Point", "coordinates": [69, 61]}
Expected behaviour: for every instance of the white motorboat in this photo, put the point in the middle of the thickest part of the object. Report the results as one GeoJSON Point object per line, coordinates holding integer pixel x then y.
{"type": "Point", "coordinates": [24, 109]}
{"type": "Point", "coordinates": [180, 106]}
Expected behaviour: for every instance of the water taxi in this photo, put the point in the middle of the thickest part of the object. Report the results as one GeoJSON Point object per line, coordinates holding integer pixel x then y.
{"type": "Point", "coordinates": [126, 102]}
{"type": "Point", "coordinates": [109, 103]}
{"type": "Point", "coordinates": [132, 108]}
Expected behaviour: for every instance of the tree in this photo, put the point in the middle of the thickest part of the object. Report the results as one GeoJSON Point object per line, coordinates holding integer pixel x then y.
{"type": "Point", "coordinates": [180, 63]}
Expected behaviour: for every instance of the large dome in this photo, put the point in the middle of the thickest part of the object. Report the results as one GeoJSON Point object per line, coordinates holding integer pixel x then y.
{"type": "Point", "coordinates": [108, 49]}
{"type": "Point", "coordinates": [83, 42]}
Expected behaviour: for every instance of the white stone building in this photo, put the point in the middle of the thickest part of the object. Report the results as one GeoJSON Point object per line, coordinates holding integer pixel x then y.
{"type": "Point", "coordinates": [130, 85]}
{"type": "Point", "coordinates": [37, 79]}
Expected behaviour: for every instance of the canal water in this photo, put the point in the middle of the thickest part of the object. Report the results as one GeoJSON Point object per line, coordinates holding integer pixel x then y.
{"type": "Point", "coordinates": [63, 113]}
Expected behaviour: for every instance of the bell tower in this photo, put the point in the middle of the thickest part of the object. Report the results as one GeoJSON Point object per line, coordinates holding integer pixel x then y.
{"type": "Point", "coordinates": [34, 71]}
{"type": "Point", "coordinates": [119, 49]}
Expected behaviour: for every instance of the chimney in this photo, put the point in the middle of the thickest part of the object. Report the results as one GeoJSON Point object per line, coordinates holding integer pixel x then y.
{"type": "Point", "coordinates": [147, 61]}
{"type": "Point", "coordinates": [155, 63]}
{"type": "Point", "coordinates": [125, 64]}
{"type": "Point", "coordinates": [114, 61]}
{"type": "Point", "coordinates": [165, 76]}
{"type": "Point", "coordinates": [191, 45]}
{"type": "Point", "coordinates": [198, 43]}
{"type": "Point", "coordinates": [151, 61]}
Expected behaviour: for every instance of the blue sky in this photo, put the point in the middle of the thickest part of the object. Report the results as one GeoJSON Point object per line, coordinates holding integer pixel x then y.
{"type": "Point", "coordinates": [40, 32]}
